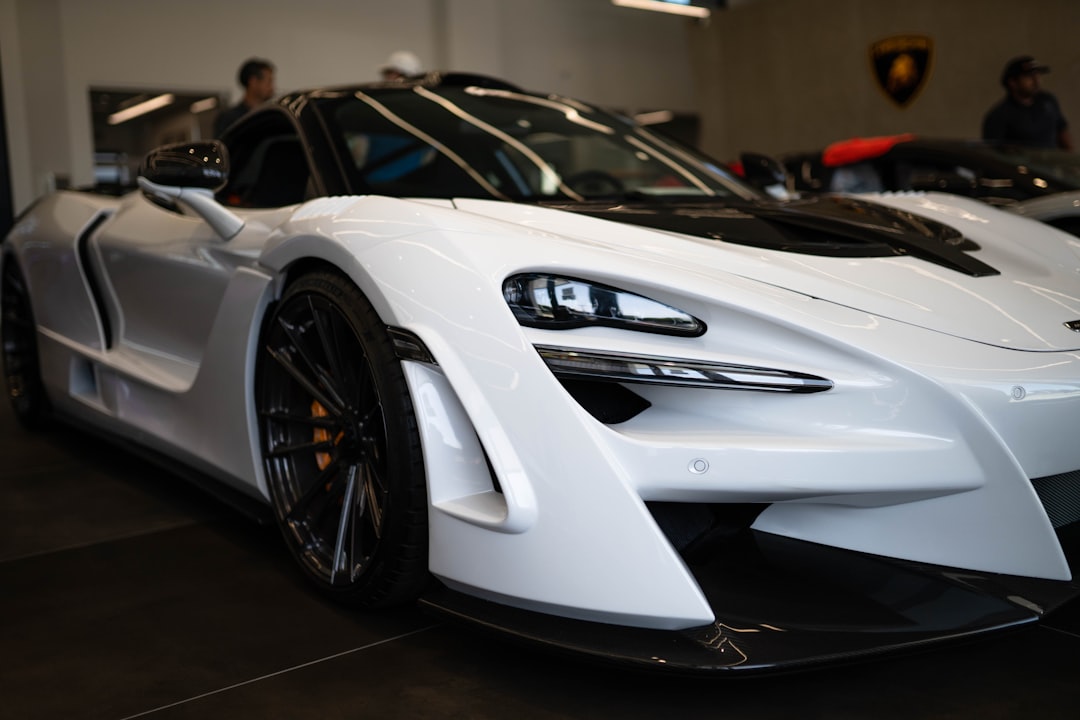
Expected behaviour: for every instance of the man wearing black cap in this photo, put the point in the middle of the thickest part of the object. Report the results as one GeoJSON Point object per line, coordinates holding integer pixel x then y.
{"type": "Point", "coordinates": [1027, 115]}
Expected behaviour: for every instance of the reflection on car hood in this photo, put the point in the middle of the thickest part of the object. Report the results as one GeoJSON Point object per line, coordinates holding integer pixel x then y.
{"type": "Point", "coordinates": [941, 262]}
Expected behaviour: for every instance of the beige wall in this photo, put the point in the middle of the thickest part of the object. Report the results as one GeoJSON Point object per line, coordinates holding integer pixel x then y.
{"type": "Point", "coordinates": [787, 75]}
{"type": "Point", "coordinates": [33, 69]}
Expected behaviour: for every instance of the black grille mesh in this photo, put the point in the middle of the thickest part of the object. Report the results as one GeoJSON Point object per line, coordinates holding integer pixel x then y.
{"type": "Point", "coordinates": [1060, 496]}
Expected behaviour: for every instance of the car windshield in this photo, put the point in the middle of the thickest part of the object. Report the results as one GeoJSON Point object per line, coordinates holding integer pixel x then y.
{"type": "Point", "coordinates": [1059, 165]}
{"type": "Point", "coordinates": [483, 142]}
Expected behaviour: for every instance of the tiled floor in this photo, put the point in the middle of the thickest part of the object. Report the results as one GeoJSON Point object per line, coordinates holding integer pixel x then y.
{"type": "Point", "coordinates": [126, 593]}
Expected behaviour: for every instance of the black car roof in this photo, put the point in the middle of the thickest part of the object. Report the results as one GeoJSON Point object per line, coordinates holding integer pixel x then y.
{"type": "Point", "coordinates": [428, 80]}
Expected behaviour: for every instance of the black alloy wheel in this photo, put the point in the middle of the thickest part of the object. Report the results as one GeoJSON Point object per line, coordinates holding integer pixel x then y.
{"type": "Point", "coordinates": [340, 445]}
{"type": "Point", "coordinates": [18, 334]}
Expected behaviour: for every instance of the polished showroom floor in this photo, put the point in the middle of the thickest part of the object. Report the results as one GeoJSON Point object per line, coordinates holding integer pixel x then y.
{"type": "Point", "coordinates": [126, 593]}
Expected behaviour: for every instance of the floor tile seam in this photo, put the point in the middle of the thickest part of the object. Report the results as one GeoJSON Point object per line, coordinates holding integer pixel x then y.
{"type": "Point", "coordinates": [103, 541]}
{"type": "Point", "coordinates": [1062, 631]}
{"type": "Point", "coordinates": [283, 671]}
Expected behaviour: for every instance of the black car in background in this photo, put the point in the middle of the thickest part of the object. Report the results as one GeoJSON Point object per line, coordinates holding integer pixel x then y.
{"type": "Point", "coordinates": [998, 174]}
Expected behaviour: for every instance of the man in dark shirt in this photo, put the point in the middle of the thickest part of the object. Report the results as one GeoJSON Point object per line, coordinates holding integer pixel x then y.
{"type": "Point", "coordinates": [1027, 115]}
{"type": "Point", "coordinates": [256, 76]}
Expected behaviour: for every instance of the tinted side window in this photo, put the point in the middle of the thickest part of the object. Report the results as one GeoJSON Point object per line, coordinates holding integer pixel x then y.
{"type": "Point", "coordinates": [391, 159]}
{"type": "Point", "coordinates": [269, 167]}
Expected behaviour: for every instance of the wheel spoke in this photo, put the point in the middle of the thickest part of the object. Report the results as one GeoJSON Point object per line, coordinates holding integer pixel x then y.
{"type": "Point", "coordinates": [345, 526]}
{"type": "Point", "coordinates": [284, 416]}
{"type": "Point", "coordinates": [374, 440]}
{"type": "Point", "coordinates": [316, 369]}
{"type": "Point", "coordinates": [369, 415]}
{"type": "Point", "coordinates": [347, 360]}
{"type": "Point", "coordinates": [311, 446]}
{"type": "Point", "coordinates": [328, 338]}
{"type": "Point", "coordinates": [286, 362]}
{"type": "Point", "coordinates": [359, 543]}
{"type": "Point", "coordinates": [373, 450]}
{"type": "Point", "coordinates": [374, 504]}
{"type": "Point", "coordinates": [322, 485]}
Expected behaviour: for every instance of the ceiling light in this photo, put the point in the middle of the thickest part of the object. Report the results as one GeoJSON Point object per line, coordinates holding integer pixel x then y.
{"type": "Point", "coordinates": [655, 117]}
{"type": "Point", "coordinates": [141, 109]}
{"type": "Point", "coordinates": [677, 7]}
{"type": "Point", "coordinates": [203, 105]}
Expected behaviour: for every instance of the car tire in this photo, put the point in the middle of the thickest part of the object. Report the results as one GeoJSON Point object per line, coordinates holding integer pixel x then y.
{"type": "Point", "coordinates": [340, 446]}
{"type": "Point", "coordinates": [18, 335]}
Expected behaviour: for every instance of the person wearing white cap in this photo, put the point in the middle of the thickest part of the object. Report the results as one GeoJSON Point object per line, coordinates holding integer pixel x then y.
{"type": "Point", "coordinates": [1027, 115]}
{"type": "Point", "coordinates": [401, 65]}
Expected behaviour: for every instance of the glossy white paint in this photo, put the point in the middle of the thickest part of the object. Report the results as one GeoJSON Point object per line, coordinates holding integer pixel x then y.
{"type": "Point", "coordinates": [611, 565]}
{"type": "Point", "coordinates": [1018, 309]}
{"type": "Point", "coordinates": [56, 274]}
{"type": "Point", "coordinates": [223, 221]}
{"type": "Point", "coordinates": [922, 449]}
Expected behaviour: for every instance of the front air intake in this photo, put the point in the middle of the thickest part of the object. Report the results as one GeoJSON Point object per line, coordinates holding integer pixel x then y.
{"type": "Point", "coordinates": [1060, 496]}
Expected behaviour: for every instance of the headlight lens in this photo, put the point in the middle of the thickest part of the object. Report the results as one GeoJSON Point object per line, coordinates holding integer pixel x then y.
{"type": "Point", "coordinates": [597, 365]}
{"type": "Point", "coordinates": [559, 303]}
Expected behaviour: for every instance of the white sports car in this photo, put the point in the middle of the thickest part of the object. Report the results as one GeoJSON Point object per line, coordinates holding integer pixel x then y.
{"type": "Point", "coordinates": [543, 369]}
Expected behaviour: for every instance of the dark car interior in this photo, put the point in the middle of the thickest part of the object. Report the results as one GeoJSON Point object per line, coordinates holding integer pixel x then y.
{"type": "Point", "coordinates": [269, 166]}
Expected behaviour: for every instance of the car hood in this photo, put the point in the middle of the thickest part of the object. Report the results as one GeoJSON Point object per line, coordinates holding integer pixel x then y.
{"type": "Point", "coordinates": [941, 262]}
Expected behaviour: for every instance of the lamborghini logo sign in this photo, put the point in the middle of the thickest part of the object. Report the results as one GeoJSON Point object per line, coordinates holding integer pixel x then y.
{"type": "Point", "coordinates": [901, 66]}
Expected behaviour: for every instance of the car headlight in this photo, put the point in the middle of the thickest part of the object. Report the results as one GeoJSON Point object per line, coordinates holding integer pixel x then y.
{"type": "Point", "coordinates": [580, 364]}
{"type": "Point", "coordinates": [554, 302]}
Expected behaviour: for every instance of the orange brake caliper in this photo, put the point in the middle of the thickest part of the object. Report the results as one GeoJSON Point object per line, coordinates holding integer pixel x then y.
{"type": "Point", "coordinates": [321, 435]}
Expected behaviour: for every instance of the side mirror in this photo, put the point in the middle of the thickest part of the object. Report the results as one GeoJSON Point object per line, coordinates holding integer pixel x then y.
{"type": "Point", "coordinates": [189, 173]}
{"type": "Point", "coordinates": [188, 165]}
{"type": "Point", "coordinates": [766, 173]}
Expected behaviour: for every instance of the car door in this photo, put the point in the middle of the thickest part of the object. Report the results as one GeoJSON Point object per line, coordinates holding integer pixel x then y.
{"type": "Point", "coordinates": [164, 271]}
{"type": "Point", "coordinates": [163, 274]}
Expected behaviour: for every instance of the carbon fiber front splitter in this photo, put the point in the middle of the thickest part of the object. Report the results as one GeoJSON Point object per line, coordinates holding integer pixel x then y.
{"type": "Point", "coordinates": [785, 605]}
